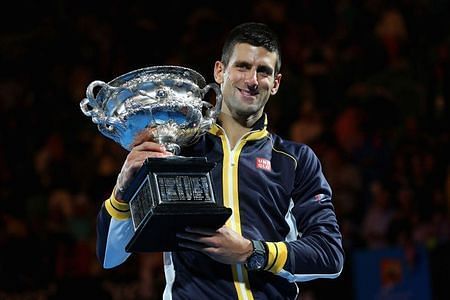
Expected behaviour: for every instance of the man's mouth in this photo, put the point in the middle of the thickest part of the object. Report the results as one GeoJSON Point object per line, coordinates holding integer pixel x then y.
{"type": "Point", "coordinates": [248, 93]}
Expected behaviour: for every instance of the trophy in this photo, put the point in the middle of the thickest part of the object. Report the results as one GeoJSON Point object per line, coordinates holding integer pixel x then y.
{"type": "Point", "coordinates": [167, 194]}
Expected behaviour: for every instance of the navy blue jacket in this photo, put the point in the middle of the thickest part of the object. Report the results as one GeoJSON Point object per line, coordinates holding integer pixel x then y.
{"type": "Point", "coordinates": [278, 194]}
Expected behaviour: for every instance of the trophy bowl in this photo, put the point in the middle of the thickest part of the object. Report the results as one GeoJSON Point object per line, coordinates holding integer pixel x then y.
{"type": "Point", "coordinates": [165, 102]}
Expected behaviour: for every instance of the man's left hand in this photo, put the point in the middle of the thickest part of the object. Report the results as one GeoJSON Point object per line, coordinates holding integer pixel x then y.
{"type": "Point", "coordinates": [223, 245]}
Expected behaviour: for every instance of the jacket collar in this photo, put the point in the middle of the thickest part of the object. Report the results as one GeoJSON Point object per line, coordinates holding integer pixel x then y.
{"type": "Point", "coordinates": [258, 131]}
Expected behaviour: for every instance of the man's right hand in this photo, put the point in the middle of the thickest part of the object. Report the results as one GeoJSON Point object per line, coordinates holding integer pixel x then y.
{"type": "Point", "coordinates": [133, 163]}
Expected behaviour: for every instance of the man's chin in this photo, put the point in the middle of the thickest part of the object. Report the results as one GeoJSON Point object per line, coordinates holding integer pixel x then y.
{"type": "Point", "coordinates": [246, 113]}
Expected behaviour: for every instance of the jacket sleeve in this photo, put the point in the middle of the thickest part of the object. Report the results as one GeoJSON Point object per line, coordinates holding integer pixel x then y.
{"type": "Point", "coordinates": [315, 249]}
{"type": "Point", "coordinates": [114, 231]}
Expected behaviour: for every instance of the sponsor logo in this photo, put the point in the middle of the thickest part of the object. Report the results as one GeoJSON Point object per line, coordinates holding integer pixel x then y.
{"type": "Point", "coordinates": [320, 198]}
{"type": "Point", "coordinates": [262, 163]}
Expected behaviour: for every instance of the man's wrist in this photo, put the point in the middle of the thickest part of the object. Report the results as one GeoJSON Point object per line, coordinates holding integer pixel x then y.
{"type": "Point", "coordinates": [119, 192]}
{"type": "Point", "coordinates": [248, 250]}
{"type": "Point", "coordinates": [117, 209]}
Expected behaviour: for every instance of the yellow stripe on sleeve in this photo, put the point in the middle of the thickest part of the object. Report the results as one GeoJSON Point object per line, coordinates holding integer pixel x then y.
{"type": "Point", "coordinates": [117, 210]}
{"type": "Point", "coordinates": [277, 256]}
{"type": "Point", "coordinates": [271, 255]}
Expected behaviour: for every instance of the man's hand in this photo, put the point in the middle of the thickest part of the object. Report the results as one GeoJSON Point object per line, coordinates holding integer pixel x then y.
{"type": "Point", "coordinates": [134, 161]}
{"type": "Point", "coordinates": [223, 245]}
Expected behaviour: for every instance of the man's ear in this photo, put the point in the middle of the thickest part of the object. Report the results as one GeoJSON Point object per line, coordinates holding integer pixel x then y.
{"type": "Point", "coordinates": [219, 68]}
{"type": "Point", "coordinates": [276, 84]}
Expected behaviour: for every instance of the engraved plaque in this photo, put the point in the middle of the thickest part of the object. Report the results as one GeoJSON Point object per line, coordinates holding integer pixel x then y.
{"type": "Point", "coordinates": [186, 187]}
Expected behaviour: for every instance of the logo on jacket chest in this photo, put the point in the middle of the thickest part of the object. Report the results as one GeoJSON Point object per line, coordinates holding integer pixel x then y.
{"type": "Point", "coordinates": [264, 164]}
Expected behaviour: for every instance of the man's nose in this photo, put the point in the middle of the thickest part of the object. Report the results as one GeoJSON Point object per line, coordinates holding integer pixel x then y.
{"type": "Point", "coordinates": [252, 80]}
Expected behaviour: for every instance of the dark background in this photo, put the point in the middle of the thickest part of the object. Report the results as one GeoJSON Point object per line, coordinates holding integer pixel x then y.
{"type": "Point", "coordinates": [365, 84]}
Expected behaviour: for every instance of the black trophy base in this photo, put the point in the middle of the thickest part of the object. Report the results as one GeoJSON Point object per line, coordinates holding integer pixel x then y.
{"type": "Point", "coordinates": [161, 225]}
{"type": "Point", "coordinates": [168, 195]}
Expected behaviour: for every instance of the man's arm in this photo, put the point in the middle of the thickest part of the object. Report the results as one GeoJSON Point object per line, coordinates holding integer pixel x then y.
{"type": "Point", "coordinates": [114, 225]}
{"type": "Point", "coordinates": [114, 231]}
{"type": "Point", "coordinates": [314, 250]}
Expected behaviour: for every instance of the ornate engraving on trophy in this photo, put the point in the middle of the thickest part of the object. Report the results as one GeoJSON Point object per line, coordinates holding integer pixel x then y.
{"type": "Point", "coordinates": [187, 187]}
{"type": "Point", "coordinates": [164, 100]}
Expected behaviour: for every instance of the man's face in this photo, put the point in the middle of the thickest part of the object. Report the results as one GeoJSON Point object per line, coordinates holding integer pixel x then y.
{"type": "Point", "coordinates": [247, 81]}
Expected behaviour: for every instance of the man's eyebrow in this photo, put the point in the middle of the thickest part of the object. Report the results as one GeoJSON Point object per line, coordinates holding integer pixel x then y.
{"type": "Point", "coordinates": [262, 68]}
{"type": "Point", "coordinates": [265, 69]}
{"type": "Point", "coordinates": [242, 63]}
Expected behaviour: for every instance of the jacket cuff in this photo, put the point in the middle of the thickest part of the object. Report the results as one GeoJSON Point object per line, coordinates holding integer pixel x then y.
{"type": "Point", "coordinates": [277, 256]}
{"type": "Point", "coordinates": [118, 210]}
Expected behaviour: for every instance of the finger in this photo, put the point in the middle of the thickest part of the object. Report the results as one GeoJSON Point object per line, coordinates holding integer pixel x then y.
{"type": "Point", "coordinates": [190, 236]}
{"type": "Point", "coordinates": [138, 157]}
{"type": "Point", "coordinates": [150, 149]}
{"type": "Point", "coordinates": [201, 230]}
{"type": "Point", "coordinates": [131, 166]}
{"type": "Point", "coordinates": [150, 146]}
{"type": "Point", "coordinates": [144, 136]}
{"type": "Point", "coordinates": [136, 164]}
{"type": "Point", "coordinates": [198, 247]}
{"type": "Point", "coordinates": [191, 245]}
{"type": "Point", "coordinates": [201, 239]}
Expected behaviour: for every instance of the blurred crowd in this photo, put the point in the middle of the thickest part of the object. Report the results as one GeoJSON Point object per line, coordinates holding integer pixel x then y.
{"type": "Point", "coordinates": [365, 83]}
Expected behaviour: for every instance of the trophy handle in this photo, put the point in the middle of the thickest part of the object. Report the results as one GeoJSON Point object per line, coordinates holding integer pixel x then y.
{"type": "Point", "coordinates": [211, 113]}
{"type": "Point", "coordinates": [89, 105]}
{"type": "Point", "coordinates": [111, 127]}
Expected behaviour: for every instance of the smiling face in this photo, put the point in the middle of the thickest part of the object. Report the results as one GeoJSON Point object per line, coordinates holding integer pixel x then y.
{"type": "Point", "coordinates": [247, 81]}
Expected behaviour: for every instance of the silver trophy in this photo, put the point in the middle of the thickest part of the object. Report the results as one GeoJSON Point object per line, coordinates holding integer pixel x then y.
{"type": "Point", "coordinates": [163, 104]}
{"type": "Point", "coordinates": [166, 101]}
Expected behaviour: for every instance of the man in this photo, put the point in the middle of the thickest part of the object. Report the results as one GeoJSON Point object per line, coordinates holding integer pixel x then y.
{"type": "Point", "coordinates": [283, 228]}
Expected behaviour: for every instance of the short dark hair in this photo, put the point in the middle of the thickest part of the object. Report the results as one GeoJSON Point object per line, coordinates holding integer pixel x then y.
{"type": "Point", "coordinates": [255, 34]}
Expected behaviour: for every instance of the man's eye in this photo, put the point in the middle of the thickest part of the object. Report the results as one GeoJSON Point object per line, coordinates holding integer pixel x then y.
{"type": "Point", "coordinates": [242, 68]}
{"type": "Point", "coordinates": [264, 74]}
